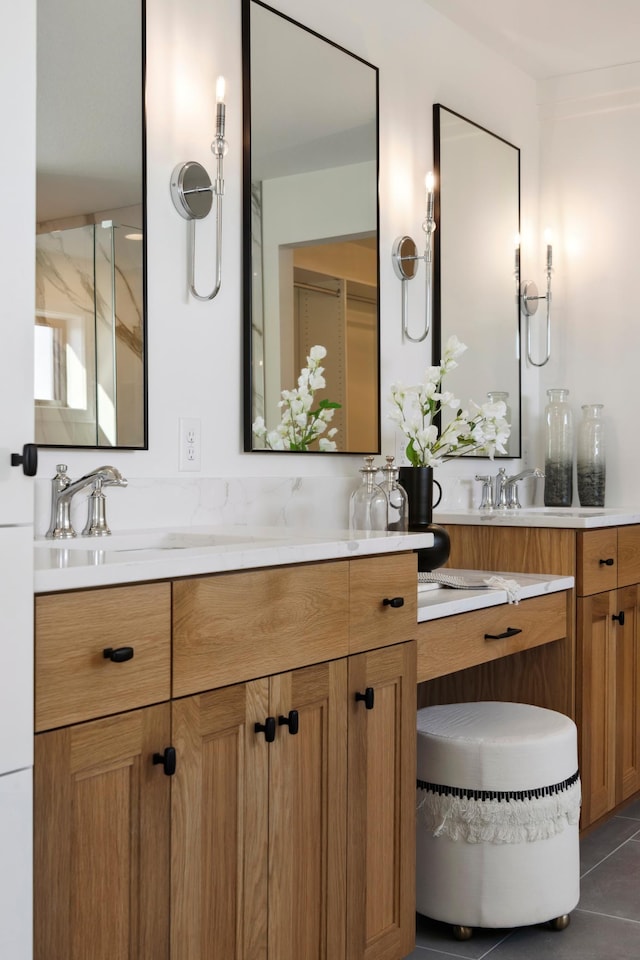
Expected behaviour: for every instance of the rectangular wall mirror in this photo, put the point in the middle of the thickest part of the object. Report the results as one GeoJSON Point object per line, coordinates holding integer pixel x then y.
{"type": "Point", "coordinates": [476, 257]}
{"type": "Point", "coordinates": [311, 257]}
{"type": "Point", "coordinates": [90, 330]}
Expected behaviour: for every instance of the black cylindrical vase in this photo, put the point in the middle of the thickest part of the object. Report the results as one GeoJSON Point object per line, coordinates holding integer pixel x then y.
{"type": "Point", "coordinates": [418, 483]}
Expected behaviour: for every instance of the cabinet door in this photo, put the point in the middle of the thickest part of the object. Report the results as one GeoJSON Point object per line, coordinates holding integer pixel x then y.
{"type": "Point", "coordinates": [381, 809]}
{"type": "Point", "coordinates": [219, 811]}
{"type": "Point", "coordinates": [627, 635]}
{"type": "Point", "coordinates": [597, 703]}
{"type": "Point", "coordinates": [102, 840]}
{"type": "Point", "coordinates": [307, 815]}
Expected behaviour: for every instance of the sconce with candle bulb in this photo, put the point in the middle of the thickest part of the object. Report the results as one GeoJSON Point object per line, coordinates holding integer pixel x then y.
{"type": "Point", "coordinates": [192, 194]}
{"type": "Point", "coordinates": [405, 259]}
{"type": "Point", "coordinates": [529, 299]}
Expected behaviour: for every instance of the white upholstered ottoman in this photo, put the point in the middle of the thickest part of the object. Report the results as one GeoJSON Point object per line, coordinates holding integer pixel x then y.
{"type": "Point", "coordinates": [497, 821]}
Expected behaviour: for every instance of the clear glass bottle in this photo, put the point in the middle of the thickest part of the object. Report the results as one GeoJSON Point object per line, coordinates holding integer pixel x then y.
{"type": "Point", "coordinates": [368, 502]}
{"type": "Point", "coordinates": [558, 459]}
{"type": "Point", "coordinates": [591, 456]}
{"type": "Point", "coordinates": [397, 500]}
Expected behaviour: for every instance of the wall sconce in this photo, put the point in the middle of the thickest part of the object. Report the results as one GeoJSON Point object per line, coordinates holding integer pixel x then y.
{"type": "Point", "coordinates": [529, 299]}
{"type": "Point", "coordinates": [192, 194]}
{"type": "Point", "coordinates": [405, 263]}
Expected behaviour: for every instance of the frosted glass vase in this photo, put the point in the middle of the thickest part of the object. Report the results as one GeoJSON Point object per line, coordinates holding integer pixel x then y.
{"type": "Point", "coordinates": [558, 460]}
{"type": "Point", "coordinates": [591, 456]}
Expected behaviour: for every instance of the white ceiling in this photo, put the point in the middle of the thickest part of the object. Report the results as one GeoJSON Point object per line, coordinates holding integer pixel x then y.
{"type": "Point", "coordinates": [550, 38]}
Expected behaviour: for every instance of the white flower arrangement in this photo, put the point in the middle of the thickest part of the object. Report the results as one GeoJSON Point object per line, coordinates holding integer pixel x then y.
{"type": "Point", "coordinates": [414, 408]}
{"type": "Point", "coordinates": [300, 425]}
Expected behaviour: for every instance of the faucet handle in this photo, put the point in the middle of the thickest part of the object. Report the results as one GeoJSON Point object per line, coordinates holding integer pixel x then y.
{"type": "Point", "coordinates": [486, 502]}
{"type": "Point", "coordinates": [96, 525]}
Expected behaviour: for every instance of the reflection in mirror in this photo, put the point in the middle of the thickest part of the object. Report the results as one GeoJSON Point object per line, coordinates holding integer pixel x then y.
{"type": "Point", "coordinates": [476, 262]}
{"type": "Point", "coordinates": [311, 262]}
{"type": "Point", "coordinates": [90, 366]}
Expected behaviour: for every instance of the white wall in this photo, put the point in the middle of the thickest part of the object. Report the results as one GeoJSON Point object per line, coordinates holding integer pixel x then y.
{"type": "Point", "coordinates": [590, 158]}
{"type": "Point", "coordinates": [195, 349]}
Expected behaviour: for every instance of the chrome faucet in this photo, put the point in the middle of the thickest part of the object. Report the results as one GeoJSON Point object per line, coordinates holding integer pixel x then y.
{"type": "Point", "coordinates": [511, 486]}
{"type": "Point", "coordinates": [63, 490]}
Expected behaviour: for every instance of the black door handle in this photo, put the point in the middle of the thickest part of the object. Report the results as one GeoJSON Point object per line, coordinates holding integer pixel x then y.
{"type": "Point", "coordinates": [28, 459]}
{"type": "Point", "coordinates": [366, 697]}
{"type": "Point", "coordinates": [119, 655]}
{"type": "Point", "coordinates": [167, 759]}
{"type": "Point", "coordinates": [394, 602]}
{"type": "Point", "coordinates": [268, 728]}
{"type": "Point", "coordinates": [291, 721]}
{"type": "Point", "coordinates": [509, 632]}
{"type": "Point", "coordinates": [619, 617]}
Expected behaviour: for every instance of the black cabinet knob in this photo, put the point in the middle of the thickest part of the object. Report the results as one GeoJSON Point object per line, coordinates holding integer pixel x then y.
{"type": "Point", "coordinates": [119, 655]}
{"type": "Point", "coordinates": [394, 602]}
{"type": "Point", "coordinates": [167, 759]}
{"type": "Point", "coordinates": [609, 562]}
{"type": "Point", "coordinates": [290, 721]}
{"type": "Point", "coordinates": [619, 617]}
{"type": "Point", "coordinates": [28, 459]}
{"type": "Point", "coordinates": [366, 697]}
{"type": "Point", "coordinates": [268, 728]}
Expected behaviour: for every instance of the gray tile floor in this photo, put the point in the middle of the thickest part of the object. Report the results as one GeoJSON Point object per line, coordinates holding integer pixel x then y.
{"type": "Point", "coordinates": [604, 926]}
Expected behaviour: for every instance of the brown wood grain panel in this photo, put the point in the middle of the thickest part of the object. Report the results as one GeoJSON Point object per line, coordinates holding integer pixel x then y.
{"type": "Point", "coordinates": [627, 639]}
{"type": "Point", "coordinates": [372, 580]}
{"type": "Point", "coordinates": [594, 547]}
{"type": "Point", "coordinates": [101, 840]}
{"type": "Point", "coordinates": [628, 555]}
{"type": "Point", "coordinates": [596, 704]}
{"type": "Point", "coordinates": [239, 626]}
{"type": "Point", "coordinates": [512, 549]}
{"type": "Point", "coordinates": [458, 642]}
{"type": "Point", "coordinates": [381, 835]}
{"type": "Point", "coordinates": [307, 821]}
{"type": "Point", "coordinates": [73, 680]}
{"type": "Point", "coordinates": [219, 807]}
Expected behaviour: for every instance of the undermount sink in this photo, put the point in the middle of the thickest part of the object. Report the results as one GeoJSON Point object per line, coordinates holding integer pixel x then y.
{"type": "Point", "coordinates": [152, 540]}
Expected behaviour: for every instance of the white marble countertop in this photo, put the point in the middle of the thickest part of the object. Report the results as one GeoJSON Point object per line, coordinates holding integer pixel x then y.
{"type": "Point", "coordinates": [160, 554]}
{"type": "Point", "coordinates": [579, 518]}
{"type": "Point", "coordinates": [445, 601]}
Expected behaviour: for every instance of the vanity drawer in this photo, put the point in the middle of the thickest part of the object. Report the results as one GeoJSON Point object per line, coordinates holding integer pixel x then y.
{"type": "Point", "coordinates": [628, 555]}
{"type": "Point", "coordinates": [74, 680]}
{"type": "Point", "coordinates": [233, 627]}
{"type": "Point", "coordinates": [595, 572]}
{"type": "Point", "coordinates": [455, 643]}
{"type": "Point", "coordinates": [372, 580]}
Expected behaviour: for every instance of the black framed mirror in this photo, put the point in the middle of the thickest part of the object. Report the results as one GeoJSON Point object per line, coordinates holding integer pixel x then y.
{"type": "Point", "coordinates": [90, 321]}
{"type": "Point", "coordinates": [476, 260]}
{"type": "Point", "coordinates": [311, 227]}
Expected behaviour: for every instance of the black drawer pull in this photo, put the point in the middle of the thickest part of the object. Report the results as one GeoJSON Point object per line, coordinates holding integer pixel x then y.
{"type": "Point", "coordinates": [291, 721]}
{"type": "Point", "coordinates": [609, 562]}
{"type": "Point", "coordinates": [268, 728]}
{"type": "Point", "coordinates": [119, 655]}
{"type": "Point", "coordinates": [394, 602]}
{"type": "Point", "coordinates": [509, 632]}
{"type": "Point", "coordinates": [167, 759]}
{"type": "Point", "coordinates": [366, 697]}
{"type": "Point", "coordinates": [619, 617]}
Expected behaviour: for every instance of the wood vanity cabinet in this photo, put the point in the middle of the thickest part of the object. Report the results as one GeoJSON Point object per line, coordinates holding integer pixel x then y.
{"type": "Point", "coordinates": [606, 565]}
{"type": "Point", "coordinates": [288, 829]}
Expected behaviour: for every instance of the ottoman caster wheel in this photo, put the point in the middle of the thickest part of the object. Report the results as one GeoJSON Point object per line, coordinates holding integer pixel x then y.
{"type": "Point", "coordinates": [560, 923]}
{"type": "Point", "coordinates": [462, 933]}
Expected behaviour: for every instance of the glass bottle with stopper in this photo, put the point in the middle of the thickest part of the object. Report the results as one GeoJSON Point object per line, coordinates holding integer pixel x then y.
{"type": "Point", "coordinates": [397, 501]}
{"type": "Point", "coordinates": [368, 502]}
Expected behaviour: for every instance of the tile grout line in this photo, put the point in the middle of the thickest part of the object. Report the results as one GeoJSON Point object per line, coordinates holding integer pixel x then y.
{"type": "Point", "coordinates": [604, 859]}
{"type": "Point", "coordinates": [609, 916]}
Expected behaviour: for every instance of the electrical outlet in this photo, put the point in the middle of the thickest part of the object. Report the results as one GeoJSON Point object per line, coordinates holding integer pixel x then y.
{"type": "Point", "coordinates": [189, 444]}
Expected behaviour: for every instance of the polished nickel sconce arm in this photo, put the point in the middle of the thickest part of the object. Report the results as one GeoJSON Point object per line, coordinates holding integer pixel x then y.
{"type": "Point", "coordinates": [192, 195]}
{"type": "Point", "coordinates": [529, 299]}
{"type": "Point", "coordinates": [405, 259]}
